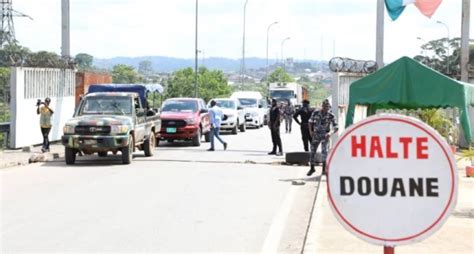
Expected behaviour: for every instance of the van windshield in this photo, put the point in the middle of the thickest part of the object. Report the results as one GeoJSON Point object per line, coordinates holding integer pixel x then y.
{"type": "Point", "coordinates": [248, 102]}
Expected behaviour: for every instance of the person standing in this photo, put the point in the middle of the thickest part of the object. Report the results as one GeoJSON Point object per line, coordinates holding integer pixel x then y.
{"type": "Point", "coordinates": [304, 113]}
{"type": "Point", "coordinates": [216, 116]}
{"type": "Point", "coordinates": [289, 110]}
{"type": "Point", "coordinates": [45, 112]}
{"type": "Point", "coordinates": [320, 130]}
{"type": "Point", "coordinates": [274, 125]}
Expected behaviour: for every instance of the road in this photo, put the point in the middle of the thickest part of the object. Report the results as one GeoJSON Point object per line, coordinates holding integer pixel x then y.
{"type": "Point", "coordinates": [184, 199]}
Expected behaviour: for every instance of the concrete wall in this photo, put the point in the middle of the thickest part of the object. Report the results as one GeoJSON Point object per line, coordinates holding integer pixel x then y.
{"type": "Point", "coordinates": [27, 86]}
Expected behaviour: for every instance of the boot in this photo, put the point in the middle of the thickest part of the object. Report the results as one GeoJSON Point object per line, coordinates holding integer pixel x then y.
{"type": "Point", "coordinates": [324, 168]}
{"type": "Point", "coordinates": [311, 171]}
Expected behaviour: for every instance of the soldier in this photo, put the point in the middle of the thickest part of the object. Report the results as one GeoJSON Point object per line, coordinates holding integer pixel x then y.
{"type": "Point", "coordinates": [274, 125]}
{"type": "Point", "coordinates": [305, 114]}
{"type": "Point", "coordinates": [288, 111]}
{"type": "Point", "coordinates": [320, 131]}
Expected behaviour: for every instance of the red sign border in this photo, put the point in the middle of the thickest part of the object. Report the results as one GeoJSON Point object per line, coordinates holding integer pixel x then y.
{"type": "Point", "coordinates": [396, 120]}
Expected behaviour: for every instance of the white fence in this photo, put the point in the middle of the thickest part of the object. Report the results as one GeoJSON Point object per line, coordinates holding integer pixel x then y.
{"type": "Point", "coordinates": [27, 86]}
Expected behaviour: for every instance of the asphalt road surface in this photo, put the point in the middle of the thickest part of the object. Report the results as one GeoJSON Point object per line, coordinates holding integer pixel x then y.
{"type": "Point", "coordinates": [184, 199]}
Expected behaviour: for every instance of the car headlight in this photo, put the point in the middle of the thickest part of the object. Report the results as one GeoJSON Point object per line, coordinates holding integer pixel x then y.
{"type": "Point", "coordinates": [190, 120]}
{"type": "Point", "coordinates": [118, 129]}
{"type": "Point", "coordinates": [68, 129]}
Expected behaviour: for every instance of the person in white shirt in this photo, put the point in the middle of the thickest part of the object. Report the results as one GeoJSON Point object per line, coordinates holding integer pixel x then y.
{"type": "Point", "coordinates": [216, 116]}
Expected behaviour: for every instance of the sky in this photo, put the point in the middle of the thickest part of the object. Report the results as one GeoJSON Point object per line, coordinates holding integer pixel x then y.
{"type": "Point", "coordinates": [318, 29]}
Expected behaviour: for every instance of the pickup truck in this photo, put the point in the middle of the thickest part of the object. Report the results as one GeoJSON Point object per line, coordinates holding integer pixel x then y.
{"type": "Point", "coordinates": [111, 121]}
{"type": "Point", "coordinates": [185, 119]}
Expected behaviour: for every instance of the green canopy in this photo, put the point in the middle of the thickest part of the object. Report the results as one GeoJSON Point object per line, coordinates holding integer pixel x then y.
{"type": "Point", "coordinates": [407, 84]}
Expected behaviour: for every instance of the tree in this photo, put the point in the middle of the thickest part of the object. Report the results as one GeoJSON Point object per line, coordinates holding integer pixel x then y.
{"type": "Point", "coordinates": [13, 55]}
{"type": "Point", "coordinates": [279, 75]}
{"type": "Point", "coordinates": [435, 55]}
{"type": "Point", "coordinates": [212, 84]}
{"type": "Point", "coordinates": [145, 68]}
{"type": "Point", "coordinates": [124, 74]}
{"type": "Point", "coordinates": [44, 59]}
{"type": "Point", "coordinates": [84, 61]}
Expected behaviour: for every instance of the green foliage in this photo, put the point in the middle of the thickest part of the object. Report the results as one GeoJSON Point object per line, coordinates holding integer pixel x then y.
{"type": "Point", "coordinates": [4, 107]}
{"type": "Point", "coordinates": [124, 74]}
{"type": "Point", "coordinates": [279, 75]}
{"type": "Point", "coordinates": [43, 59]}
{"type": "Point", "coordinates": [84, 61]}
{"type": "Point", "coordinates": [212, 84]}
{"type": "Point", "coordinates": [435, 55]}
{"type": "Point", "coordinates": [467, 154]}
{"type": "Point", "coordinates": [13, 55]}
{"type": "Point", "coordinates": [437, 119]}
{"type": "Point", "coordinates": [317, 91]}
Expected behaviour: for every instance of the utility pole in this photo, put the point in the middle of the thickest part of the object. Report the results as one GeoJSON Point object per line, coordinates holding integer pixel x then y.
{"type": "Point", "coordinates": [65, 30]}
{"type": "Point", "coordinates": [266, 67]}
{"type": "Point", "coordinates": [242, 71]}
{"type": "Point", "coordinates": [196, 55]}
{"type": "Point", "coordinates": [465, 40]}
{"type": "Point", "coordinates": [380, 33]}
{"type": "Point", "coordinates": [7, 32]}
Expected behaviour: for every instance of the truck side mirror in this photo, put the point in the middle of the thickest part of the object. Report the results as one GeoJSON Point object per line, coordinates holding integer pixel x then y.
{"type": "Point", "coordinates": [140, 112]}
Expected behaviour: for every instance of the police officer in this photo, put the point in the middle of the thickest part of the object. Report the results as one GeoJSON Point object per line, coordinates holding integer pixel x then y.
{"type": "Point", "coordinates": [274, 125]}
{"type": "Point", "coordinates": [305, 114]}
{"type": "Point", "coordinates": [320, 130]}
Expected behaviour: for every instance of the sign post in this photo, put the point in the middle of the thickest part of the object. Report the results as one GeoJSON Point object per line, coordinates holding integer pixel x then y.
{"type": "Point", "coordinates": [391, 180]}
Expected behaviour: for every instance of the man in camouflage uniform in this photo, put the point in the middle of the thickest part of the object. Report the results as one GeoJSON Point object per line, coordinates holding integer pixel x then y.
{"type": "Point", "coordinates": [320, 131]}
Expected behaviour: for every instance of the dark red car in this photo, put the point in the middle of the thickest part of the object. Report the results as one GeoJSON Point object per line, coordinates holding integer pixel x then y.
{"type": "Point", "coordinates": [185, 119]}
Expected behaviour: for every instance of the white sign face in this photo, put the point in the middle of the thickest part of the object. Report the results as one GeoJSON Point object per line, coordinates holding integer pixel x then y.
{"type": "Point", "coordinates": [392, 180]}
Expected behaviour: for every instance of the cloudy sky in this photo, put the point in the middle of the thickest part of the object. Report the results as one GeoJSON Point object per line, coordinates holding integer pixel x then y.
{"type": "Point", "coordinates": [318, 28]}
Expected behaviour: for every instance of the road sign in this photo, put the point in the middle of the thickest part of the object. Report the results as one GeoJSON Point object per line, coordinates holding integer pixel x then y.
{"type": "Point", "coordinates": [391, 180]}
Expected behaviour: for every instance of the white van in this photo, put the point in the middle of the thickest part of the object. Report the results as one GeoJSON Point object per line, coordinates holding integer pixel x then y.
{"type": "Point", "coordinates": [255, 107]}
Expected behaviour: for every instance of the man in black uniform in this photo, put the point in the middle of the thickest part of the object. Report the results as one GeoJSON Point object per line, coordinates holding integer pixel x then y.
{"type": "Point", "coordinates": [274, 125]}
{"type": "Point", "coordinates": [320, 130]}
{"type": "Point", "coordinates": [305, 114]}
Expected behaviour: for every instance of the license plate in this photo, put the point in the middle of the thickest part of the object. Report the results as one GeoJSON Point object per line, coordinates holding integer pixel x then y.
{"type": "Point", "coordinates": [90, 142]}
{"type": "Point", "coordinates": [171, 130]}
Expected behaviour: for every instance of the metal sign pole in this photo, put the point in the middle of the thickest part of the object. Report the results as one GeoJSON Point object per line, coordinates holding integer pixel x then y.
{"type": "Point", "coordinates": [388, 250]}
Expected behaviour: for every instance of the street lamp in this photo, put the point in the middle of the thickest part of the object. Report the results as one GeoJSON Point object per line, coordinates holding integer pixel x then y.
{"type": "Point", "coordinates": [283, 43]}
{"type": "Point", "coordinates": [447, 58]}
{"type": "Point", "coordinates": [243, 47]}
{"type": "Point", "coordinates": [266, 67]}
{"type": "Point", "coordinates": [196, 56]}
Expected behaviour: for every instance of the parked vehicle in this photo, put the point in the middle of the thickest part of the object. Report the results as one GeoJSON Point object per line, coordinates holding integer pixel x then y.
{"type": "Point", "coordinates": [293, 92]}
{"type": "Point", "coordinates": [234, 115]}
{"type": "Point", "coordinates": [109, 120]}
{"type": "Point", "coordinates": [185, 119]}
{"type": "Point", "coordinates": [255, 107]}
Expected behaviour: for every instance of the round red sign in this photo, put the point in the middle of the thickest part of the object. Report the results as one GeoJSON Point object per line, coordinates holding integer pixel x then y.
{"type": "Point", "coordinates": [391, 180]}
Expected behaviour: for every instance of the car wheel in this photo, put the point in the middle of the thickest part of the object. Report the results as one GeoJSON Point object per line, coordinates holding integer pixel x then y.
{"type": "Point", "coordinates": [234, 130]}
{"type": "Point", "coordinates": [149, 145]}
{"type": "Point", "coordinates": [127, 151]}
{"type": "Point", "coordinates": [197, 138]}
{"type": "Point", "coordinates": [243, 127]}
{"type": "Point", "coordinates": [70, 155]}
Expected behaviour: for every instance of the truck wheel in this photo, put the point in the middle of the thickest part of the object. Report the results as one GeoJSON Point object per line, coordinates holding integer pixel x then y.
{"type": "Point", "coordinates": [102, 154]}
{"type": "Point", "coordinates": [197, 138]}
{"type": "Point", "coordinates": [149, 145]}
{"type": "Point", "coordinates": [127, 151]}
{"type": "Point", "coordinates": [70, 155]}
{"type": "Point", "coordinates": [234, 130]}
{"type": "Point", "coordinates": [207, 136]}
{"type": "Point", "coordinates": [243, 127]}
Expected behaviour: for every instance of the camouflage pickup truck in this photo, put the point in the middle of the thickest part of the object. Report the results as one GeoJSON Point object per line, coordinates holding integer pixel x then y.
{"type": "Point", "coordinates": [111, 122]}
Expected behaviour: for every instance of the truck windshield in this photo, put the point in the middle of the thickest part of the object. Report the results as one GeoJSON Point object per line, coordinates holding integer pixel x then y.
{"type": "Point", "coordinates": [248, 103]}
{"type": "Point", "coordinates": [179, 106]}
{"type": "Point", "coordinates": [107, 105]}
{"type": "Point", "coordinates": [226, 104]}
{"type": "Point", "coordinates": [282, 94]}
